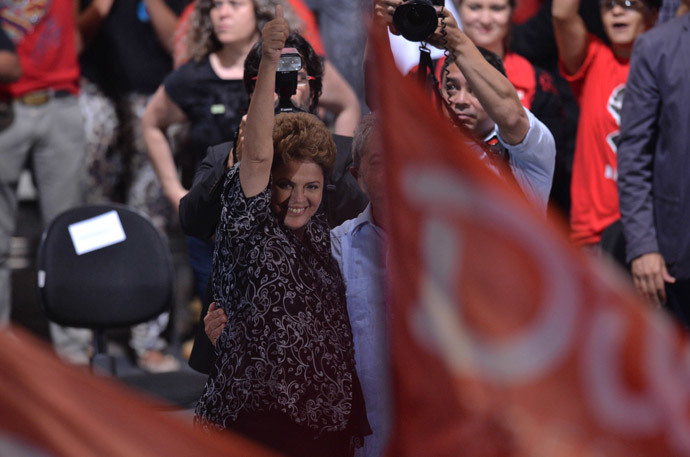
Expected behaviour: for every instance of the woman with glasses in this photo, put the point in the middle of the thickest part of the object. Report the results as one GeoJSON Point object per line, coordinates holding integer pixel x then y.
{"type": "Point", "coordinates": [597, 73]}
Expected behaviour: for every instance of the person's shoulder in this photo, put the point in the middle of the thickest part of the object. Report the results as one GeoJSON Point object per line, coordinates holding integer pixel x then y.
{"type": "Point", "coordinates": [352, 225]}
{"type": "Point", "coordinates": [513, 59]}
{"type": "Point", "coordinates": [343, 157]}
{"type": "Point", "coordinates": [595, 42]}
{"type": "Point", "coordinates": [545, 135]}
{"type": "Point", "coordinates": [343, 229]}
{"type": "Point", "coordinates": [597, 49]}
{"type": "Point", "coordinates": [191, 69]}
{"type": "Point", "coordinates": [538, 139]}
{"type": "Point", "coordinates": [221, 147]}
{"type": "Point", "coordinates": [660, 34]}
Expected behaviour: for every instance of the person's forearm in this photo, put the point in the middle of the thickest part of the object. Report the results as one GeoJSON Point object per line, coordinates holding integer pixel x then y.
{"type": "Point", "coordinates": [163, 163]}
{"type": "Point", "coordinates": [570, 32]}
{"type": "Point", "coordinates": [10, 68]}
{"type": "Point", "coordinates": [493, 90]}
{"type": "Point", "coordinates": [683, 8]}
{"type": "Point", "coordinates": [160, 113]}
{"type": "Point", "coordinates": [564, 10]}
{"type": "Point", "coordinates": [164, 21]}
{"type": "Point", "coordinates": [257, 155]}
{"type": "Point", "coordinates": [339, 99]}
{"type": "Point", "coordinates": [90, 20]}
{"type": "Point", "coordinates": [258, 140]}
{"type": "Point", "coordinates": [346, 120]}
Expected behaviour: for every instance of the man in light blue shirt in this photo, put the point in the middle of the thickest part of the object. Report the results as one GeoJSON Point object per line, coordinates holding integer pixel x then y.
{"type": "Point", "coordinates": [359, 247]}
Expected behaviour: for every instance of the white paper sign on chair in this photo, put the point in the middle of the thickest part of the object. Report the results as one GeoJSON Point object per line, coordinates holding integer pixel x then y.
{"type": "Point", "coordinates": [97, 232]}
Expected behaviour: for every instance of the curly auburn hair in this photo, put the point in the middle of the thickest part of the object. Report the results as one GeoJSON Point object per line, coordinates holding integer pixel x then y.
{"type": "Point", "coordinates": [201, 41]}
{"type": "Point", "coordinates": [302, 137]}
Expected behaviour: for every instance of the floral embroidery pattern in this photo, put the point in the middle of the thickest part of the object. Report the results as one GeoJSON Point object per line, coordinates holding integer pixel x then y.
{"type": "Point", "coordinates": [287, 346]}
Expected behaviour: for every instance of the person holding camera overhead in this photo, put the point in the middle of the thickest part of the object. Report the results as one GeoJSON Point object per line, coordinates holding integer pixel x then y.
{"type": "Point", "coordinates": [480, 98]}
{"type": "Point", "coordinates": [488, 24]}
{"type": "Point", "coordinates": [285, 372]}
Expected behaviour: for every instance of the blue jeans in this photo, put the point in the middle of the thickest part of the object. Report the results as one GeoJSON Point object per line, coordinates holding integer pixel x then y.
{"type": "Point", "coordinates": [201, 261]}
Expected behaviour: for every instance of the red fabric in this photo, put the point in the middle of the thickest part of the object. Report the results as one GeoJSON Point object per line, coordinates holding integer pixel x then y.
{"type": "Point", "coordinates": [47, 51]}
{"type": "Point", "coordinates": [311, 30]}
{"type": "Point", "coordinates": [525, 9]}
{"type": "Point", "coordinates": [180, 37]}
{"type": "Point", "coordinates": [49, 408]}
{"type": "Point", "coordinates": [521, 74]}
{"type": "Point", "coordinates": [505, 340]}
{"type": "Point", "coordinates": [598, 87]}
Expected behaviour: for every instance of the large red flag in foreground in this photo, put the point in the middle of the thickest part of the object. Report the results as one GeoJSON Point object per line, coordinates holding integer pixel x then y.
{"type": "Point", "coordinates": [50, 409]}
{"type": "Point", "coordinates": [506, 341]}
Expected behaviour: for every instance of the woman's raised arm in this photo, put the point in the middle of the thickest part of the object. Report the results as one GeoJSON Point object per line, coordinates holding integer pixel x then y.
{"type": "Point", "coordinates": [257, 155]}
{"type": "Point", "coordinates": [571, 34]}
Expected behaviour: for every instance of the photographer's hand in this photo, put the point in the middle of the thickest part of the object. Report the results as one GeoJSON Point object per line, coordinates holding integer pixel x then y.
{"type": "Point", "coordinates": [383, 13]}
{"type": "Point", "coordinates": [494, 92]}
{"type": "Point", "coordinates": [447, 27]}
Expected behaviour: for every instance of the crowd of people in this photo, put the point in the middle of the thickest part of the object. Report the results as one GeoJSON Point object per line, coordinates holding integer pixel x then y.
{"type": "Point", "coordinates": [246, 122]}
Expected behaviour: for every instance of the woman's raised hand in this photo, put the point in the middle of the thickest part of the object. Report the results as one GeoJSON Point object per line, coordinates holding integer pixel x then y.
{"type": "Point", "coordinates": [274, 35]}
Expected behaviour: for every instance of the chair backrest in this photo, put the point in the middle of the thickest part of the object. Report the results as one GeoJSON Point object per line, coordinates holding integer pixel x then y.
{"type": "Point", "coordinates": [122, 276]}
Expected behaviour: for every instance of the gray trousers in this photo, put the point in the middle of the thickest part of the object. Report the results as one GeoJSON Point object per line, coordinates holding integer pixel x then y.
{"type": "Point", "coordinates": [52, 137]}
{"type": "Point", "coordinates": [105, 167]}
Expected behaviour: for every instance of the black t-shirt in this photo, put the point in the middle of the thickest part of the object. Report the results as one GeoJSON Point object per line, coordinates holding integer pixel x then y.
{"type": "Point", "coordinates": [126, 56]}
{"type": "Point", "coordinates": [5, 42]}
{"type": "Point", "coordinates": [213, 106]}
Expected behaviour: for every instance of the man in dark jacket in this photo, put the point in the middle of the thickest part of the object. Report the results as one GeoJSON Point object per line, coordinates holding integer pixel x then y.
{"type": "Point", "coordinates": [654, 165]}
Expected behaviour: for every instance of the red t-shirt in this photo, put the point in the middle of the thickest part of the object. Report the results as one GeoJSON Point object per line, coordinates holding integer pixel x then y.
{"type": "Point", "coordinates": [521, 74]}
{"type": "Point", "coordinates": [46, 50]}
{"type": "Point", "coordinates": [310, 31]}
{"type": "Point", "coordinates": [598, 86]}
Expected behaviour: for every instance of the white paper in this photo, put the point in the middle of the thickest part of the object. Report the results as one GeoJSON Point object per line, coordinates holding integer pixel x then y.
{"type": "Point", "coordinates": [97, 232]}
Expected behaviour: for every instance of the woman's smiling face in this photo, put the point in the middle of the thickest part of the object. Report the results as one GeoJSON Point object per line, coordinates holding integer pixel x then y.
{"type": "Point", "coordinates": [296, 192]}
{"type": "Point", "coordinates": [486, 22]}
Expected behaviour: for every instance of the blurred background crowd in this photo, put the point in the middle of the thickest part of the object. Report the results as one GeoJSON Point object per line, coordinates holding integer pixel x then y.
{"type": "Point", "coordinates": [119, 100]}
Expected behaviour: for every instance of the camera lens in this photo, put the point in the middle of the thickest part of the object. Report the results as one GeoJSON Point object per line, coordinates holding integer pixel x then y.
{"type": "Point", "coordinates": [416, 20]}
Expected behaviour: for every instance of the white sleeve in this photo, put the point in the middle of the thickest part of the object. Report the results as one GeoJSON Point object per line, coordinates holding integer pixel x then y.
{"type": "Point", "coordinates": [533, 160]}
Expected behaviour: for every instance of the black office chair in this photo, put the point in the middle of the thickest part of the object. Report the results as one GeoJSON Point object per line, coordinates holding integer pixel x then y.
{"type": "Point", "coordinates": [122, 276]}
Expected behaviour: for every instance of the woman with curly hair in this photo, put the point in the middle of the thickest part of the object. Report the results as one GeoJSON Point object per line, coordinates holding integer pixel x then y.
{"type": "Point", "coordinates": [208, 93]}
{"type": "Point", "coordinates": [284, 373]}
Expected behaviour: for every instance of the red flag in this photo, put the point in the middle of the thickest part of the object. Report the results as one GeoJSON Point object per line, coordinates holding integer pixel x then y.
{"type": "Point", "coordinates": [506, 341]}
{"type": "Point", "coordinates": [51, 409]}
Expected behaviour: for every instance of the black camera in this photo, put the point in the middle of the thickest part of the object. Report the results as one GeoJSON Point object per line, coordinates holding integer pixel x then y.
{"type": "Point", "coordinates": [289, 65]}
{"type": "Point", "coordinates": [416, 20]}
